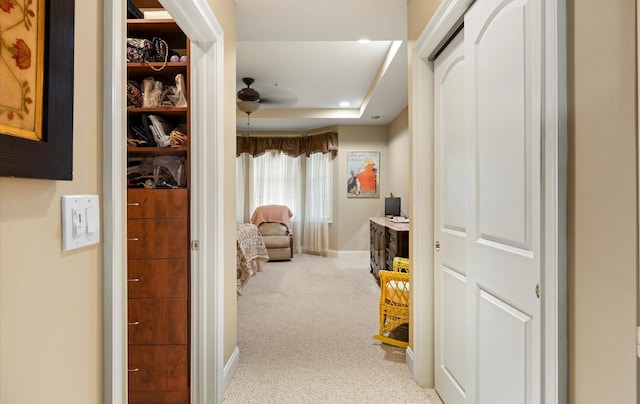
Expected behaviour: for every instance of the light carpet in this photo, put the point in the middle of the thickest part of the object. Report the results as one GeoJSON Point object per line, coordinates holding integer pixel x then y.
{"type": "Point", "coordinates": [305, 332]}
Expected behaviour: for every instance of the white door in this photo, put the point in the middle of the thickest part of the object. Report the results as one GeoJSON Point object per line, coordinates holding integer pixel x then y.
{"type": "Point", "coordinates": [503, 54]}
{"type": "Point", "coordinates": [450, 221]}
{"type": "Point", "coordinates": [488, 211]}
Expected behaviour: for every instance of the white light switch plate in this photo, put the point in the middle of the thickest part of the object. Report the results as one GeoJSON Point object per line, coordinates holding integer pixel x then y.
{"type": "Point", "coordinates": [80, 221]}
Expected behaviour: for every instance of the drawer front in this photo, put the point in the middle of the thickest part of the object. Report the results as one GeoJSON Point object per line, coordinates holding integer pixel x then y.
{"type": "Point", "coordinates": [157, 279]}
{"type": "Point", "coordinates": [393, 237]}
{"type": "Point", "coordinates": [157, 238]}
{"type": "Point", "coordinates": [158, 368]}
{"type": "Point", "coordinates": [157, 321]}
{"type": "Point", "coordinates": [157, 203]}
{"type": "Point", "coordinates": [158, 397]}
{"type": "Point", "coordinates": [402, 246]}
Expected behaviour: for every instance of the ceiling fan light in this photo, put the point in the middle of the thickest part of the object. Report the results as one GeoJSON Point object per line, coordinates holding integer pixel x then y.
{"type": "Point", "coordinates": [248, 106]}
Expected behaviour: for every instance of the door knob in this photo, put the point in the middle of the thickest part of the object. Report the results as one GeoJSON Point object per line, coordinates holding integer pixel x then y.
{"type": "Point", "coordinates": [437, 246]}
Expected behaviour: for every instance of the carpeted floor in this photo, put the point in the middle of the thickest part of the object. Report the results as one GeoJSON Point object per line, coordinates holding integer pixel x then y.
{"type": "Point", "coordinates": [305, 332]}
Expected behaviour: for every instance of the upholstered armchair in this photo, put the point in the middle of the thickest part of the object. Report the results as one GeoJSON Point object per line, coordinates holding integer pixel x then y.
{"type": "Point", "coordinates": [274, 225]}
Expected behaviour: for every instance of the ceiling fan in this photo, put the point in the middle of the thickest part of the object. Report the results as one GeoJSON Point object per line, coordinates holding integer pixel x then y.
{"type": "Point", "coordinates": [250, 100]}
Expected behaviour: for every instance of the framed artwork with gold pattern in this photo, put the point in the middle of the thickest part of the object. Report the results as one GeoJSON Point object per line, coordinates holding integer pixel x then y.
{"type": "Point", "coordinates": [36, 88]}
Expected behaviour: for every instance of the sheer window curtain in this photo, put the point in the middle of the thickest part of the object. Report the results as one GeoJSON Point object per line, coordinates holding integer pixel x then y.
{"type": "Point", "coordinates": [315, 237]}
{"type": "Point", "coordinates": [301, 183]}
{"type": "Point", "coordinates": [241, 184]}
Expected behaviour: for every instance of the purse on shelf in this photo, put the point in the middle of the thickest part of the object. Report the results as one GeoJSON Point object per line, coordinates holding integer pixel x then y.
{"type": "Point", "coordinates": [139, 50]}
{"type": "Point", "coordinates": [142, 50]}
{"type": "Point", "coordinates": [134, 94]}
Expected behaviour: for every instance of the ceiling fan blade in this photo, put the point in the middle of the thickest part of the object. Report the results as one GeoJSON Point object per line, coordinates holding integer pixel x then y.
{"type": "Point", "coordinates": [278, 96]}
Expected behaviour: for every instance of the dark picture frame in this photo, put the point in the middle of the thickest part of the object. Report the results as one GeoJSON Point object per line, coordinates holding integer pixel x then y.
{"type": "Point", "coordinates": [52, 157]}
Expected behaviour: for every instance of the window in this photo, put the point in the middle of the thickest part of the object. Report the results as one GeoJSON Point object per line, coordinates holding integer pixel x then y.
{"type": "Point", "coordinates": [304, 184]}
{"type": "Point", "coordinates": [276, 179]}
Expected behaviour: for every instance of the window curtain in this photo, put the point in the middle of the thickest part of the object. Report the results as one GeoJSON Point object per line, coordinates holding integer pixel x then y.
{"type": "Point", "coordinates": [291, 171]}
{"type": "Point", "coordinates": [275, 178]}
{"type": "Point", "coordinates": [291, 146]}
{"type": "Point", "coordinates": [241, 183]}
{"type": "Point", "coordinates": [315, 238]}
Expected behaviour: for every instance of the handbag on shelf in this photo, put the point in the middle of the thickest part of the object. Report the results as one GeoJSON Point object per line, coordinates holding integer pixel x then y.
{"type": "Point", "coordinates": [142, 50]}
{"type": "Point", "coordinates": [139, 50]}
{"type": "Point", "coordinates": [134, 94]}
{"type": "Point", "coordinates": [160, 50]}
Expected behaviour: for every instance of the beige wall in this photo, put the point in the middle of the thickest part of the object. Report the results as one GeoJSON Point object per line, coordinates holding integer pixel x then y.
{"type": "Point", "coordinates": [602, 201]}
{"type": "Point", "coordinates": [399, 153]}
{"type": "Point", "coordinates": [350, 228]}
{"type": "Point", "coordinates": [50, 301]}
{"type": "Point", "coordinates": [51, 309]}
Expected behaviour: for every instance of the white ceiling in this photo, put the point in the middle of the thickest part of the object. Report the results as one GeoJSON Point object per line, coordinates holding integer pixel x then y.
{"type": "Point", "coordinates": [305, 58]}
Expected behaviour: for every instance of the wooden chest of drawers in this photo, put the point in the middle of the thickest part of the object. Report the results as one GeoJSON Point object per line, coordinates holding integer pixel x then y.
{"type": "Point", "coordinates": [158, 295]}
{"type": "Point", "coordinates": [387, 241]}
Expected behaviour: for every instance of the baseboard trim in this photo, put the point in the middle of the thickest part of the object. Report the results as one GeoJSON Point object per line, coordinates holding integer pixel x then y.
{"type": "Point", "coordinates": [409, 361]}
{"type": "Point", "coordinates": [230, 368]}
{"type": "Point", "coordinates": [348, 254]}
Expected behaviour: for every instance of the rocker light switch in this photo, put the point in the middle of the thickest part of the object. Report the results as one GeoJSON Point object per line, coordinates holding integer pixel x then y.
{"type": "Point", "coordinates": [80, 221]}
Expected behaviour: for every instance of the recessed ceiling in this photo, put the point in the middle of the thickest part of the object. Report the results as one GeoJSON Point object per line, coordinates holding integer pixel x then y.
{"type": "Point", "coordinates": [305, 58]}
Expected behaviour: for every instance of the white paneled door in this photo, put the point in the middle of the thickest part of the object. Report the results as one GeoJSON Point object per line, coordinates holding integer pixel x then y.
{"type": "Point", "coordinates": [450, 221]}
{"type": "Point", "coordinates": [489, 206]}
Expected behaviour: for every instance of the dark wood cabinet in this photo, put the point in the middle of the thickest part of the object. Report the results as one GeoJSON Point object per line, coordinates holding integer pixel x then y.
{"type": "Point", "coordinates": [158, 279]}
{"type": "Point", "coordinates": [158, 368]}
{"type": "Point", "coordinates": [157, 321]}
{"type": "Point", "coordinates": [159, 203]}
{"type": "Point", "coordinates": [158, 239]}
{"type": "Point", "coordinates": [377, 249]}
{"type": "Point", "coordinates": [387, 241]}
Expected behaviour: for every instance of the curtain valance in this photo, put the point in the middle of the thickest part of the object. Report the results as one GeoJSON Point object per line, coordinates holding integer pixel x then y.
{"type": "Point", "coordinates": [291, 146]}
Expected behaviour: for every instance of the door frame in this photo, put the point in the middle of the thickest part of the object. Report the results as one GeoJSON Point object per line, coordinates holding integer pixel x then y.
{"type": "Point", "coordinates": [420, 355]}
{"type": "Point", "coordinates": [197, 20]}
{"type": "Point", "coordinates": [638, 199]}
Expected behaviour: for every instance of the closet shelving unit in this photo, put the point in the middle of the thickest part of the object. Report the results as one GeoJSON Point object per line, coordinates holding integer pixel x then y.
{"type": "Point", "coordinates": [158, 265]}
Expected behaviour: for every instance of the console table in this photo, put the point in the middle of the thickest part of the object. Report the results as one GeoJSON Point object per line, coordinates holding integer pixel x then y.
{"type": "Point", "coordinates": [387, 241]}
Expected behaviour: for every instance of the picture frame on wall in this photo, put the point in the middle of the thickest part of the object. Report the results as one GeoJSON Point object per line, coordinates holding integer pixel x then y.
{"type": "Point", "coordinates": [363, 174]}
{"type": "Point", "coordinates": [36, 89]}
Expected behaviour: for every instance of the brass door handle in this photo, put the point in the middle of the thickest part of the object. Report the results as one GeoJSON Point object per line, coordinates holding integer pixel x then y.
{"type": "Point", "coordinates": [437, 246]}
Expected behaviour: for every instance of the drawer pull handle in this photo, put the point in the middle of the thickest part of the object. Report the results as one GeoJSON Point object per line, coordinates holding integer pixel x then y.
{"type": "Point", "coordinates": [133, 239]}
{"type": "Point", "coordinates": [133, 204]}
{"type": "Point", "coordinates": [134, 323]}
{"type": "Point", "coordinates": [133, 280]}
{"type": "Point", "coordinates": [134, 370]}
